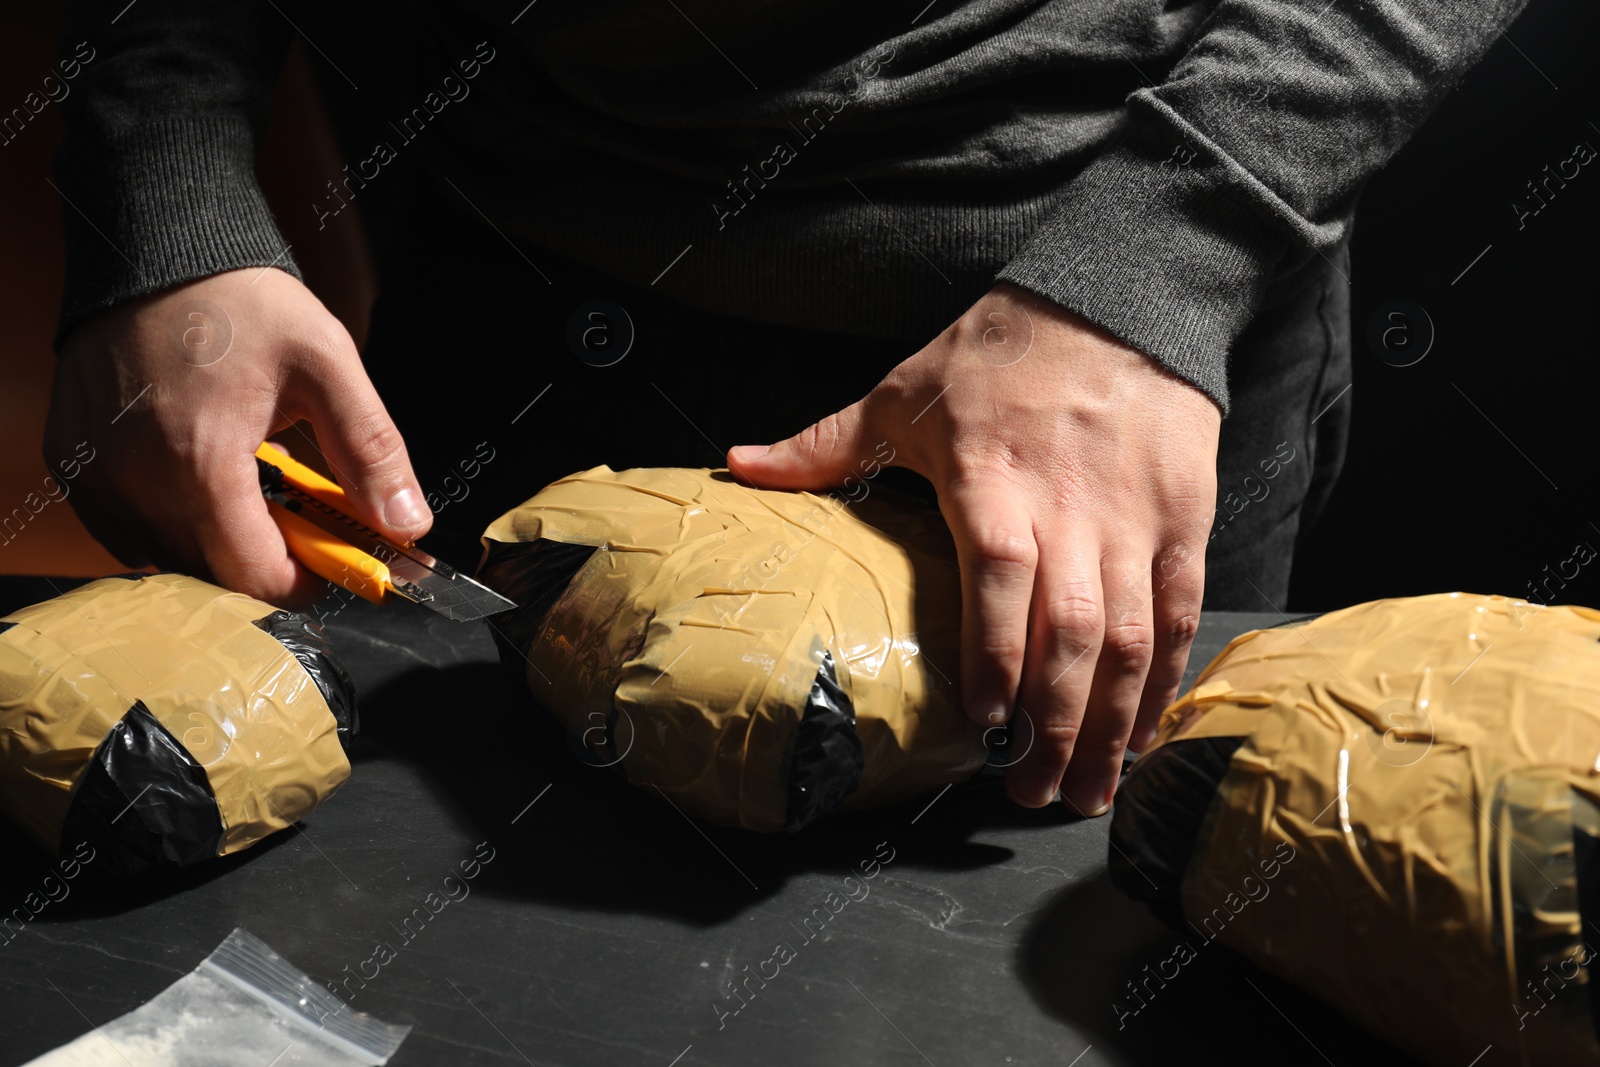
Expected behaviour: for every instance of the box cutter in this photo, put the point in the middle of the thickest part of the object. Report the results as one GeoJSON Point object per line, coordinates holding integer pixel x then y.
{"type": "Point", "coordinates": [316, 520]}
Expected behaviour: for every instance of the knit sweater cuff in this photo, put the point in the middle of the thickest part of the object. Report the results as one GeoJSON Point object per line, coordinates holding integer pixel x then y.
{"type": "Point", "coordinates": [165, 202]}
{"type": "Point", "coordinates": [1153, 242]}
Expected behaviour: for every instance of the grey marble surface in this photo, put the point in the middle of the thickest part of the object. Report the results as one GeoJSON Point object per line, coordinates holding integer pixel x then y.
{"type": "Point", "coordinates": [606, 927]}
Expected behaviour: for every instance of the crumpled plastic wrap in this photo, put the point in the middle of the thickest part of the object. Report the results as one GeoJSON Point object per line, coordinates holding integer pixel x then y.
{"type": "Point", "coordinates": [1395, 807]}
{"type": "Point", "coordinates": [243, 1006]}
{"type": "Point", "coordinates": [165, 720]}
{"type": "Point", "coordinates": [761, 658]}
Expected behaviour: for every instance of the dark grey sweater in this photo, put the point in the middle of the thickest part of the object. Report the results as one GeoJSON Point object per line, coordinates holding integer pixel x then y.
{"type": "Point", "coordinates": [864, 168]}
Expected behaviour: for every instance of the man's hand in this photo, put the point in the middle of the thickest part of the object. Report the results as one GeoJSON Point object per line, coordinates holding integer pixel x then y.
{"type": "Point", "coordinates": [176, 391]}
{"type": "Point", "coordinates": [1078, 478]}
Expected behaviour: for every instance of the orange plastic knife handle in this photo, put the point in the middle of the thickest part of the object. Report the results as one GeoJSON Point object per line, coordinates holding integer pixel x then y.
{"type": "Point", "coordinates": [303, 477]}
{"type": "Point", "coordinates": [328, 557]}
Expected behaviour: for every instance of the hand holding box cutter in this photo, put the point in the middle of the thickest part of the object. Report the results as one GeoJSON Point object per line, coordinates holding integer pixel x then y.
{"type": "Point", "coordinates": [318, 526]}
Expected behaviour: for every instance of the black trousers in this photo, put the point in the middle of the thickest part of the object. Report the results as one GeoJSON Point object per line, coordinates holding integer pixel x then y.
{"type": "Point", "coordinates": [506, 367]}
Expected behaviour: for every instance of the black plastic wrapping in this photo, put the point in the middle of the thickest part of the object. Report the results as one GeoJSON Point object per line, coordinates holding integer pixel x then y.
{"type": "Point", "coordinates": [1160, 808]}
{"type": "Point", "coordinates": [534, 574]}
{"type": "Point", "coordinates": [143, 802]}
{"type": "Point", "coordinates": [827, 762]}
{"type": "Point", "coordinates": [305, 639]}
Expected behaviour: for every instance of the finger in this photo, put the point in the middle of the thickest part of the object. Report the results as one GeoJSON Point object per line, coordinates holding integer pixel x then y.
{"type": "Point", "coordinates": [1067, 625]}
{"type": "Point", "coordinates": [1180, 581]}
{"type": "Point", "coordinates": [822, 455]}
{"type": "Point", "coordinates": [1126, 648]}
{"type": "Point", "coordinates": [997, 554]}
{"type": "Point", "coordinates": [364, 448]}
{"type": "Point", "coordinates": [242, 546]}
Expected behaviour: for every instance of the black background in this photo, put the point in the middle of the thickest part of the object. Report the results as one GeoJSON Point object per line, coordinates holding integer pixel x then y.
{"type": "Point", "coordinates": [1436, 495]}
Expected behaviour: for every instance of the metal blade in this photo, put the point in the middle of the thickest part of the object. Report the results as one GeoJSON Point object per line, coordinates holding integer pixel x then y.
{"type": "Point", "coordinates": [451, 594]}
{"type": "Point", "coordinates": [413, 573]}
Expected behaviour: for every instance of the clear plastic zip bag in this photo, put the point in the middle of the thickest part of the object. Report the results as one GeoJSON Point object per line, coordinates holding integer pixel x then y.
{"type": "Point", "coordinates": [243, 1005]}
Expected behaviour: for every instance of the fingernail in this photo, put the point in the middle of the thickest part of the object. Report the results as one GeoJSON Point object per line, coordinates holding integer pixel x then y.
{"type": "Point", "coordinates": [1088, 800]}
{"type": "Point", "coordinates": [747, 453]}
{"type": "Point", "coordinates": [988, 711]}
{"type": "Point", "coordinates": [404, 511]}
{"type": "Point", "coordinates": [1038, 787]}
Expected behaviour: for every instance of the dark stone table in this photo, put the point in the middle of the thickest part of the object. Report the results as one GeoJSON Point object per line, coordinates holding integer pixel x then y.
{"type": "Point", "coordinates": [607, 928]}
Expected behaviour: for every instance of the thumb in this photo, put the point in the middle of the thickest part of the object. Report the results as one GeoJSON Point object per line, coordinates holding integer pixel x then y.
{"type": "Point", "coordinates": [821, 456]}
{"type": "Point", "coordinates": [365, 450]}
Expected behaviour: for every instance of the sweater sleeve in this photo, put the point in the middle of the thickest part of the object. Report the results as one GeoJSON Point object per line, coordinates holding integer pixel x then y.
{"type": "Point", "coordinates": [1243, 164]}
{"type": "Point", "coordinates": [157, 170]}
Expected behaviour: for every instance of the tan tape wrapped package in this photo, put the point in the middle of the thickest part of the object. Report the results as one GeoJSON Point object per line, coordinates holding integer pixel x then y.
{"type": "Point", "coordinates": [1393, 806]}
{"type": "Point", "coordinates": [759, 657]}
{"type": "Point", "coordinates": [165, 720]}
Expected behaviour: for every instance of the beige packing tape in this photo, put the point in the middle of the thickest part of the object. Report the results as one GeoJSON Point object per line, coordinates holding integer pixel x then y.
{"type": "Point", "coordinates": [1427, 758]}
{"type": "Point", "coordinates": [705, 611]}
{"type": "Point", "coordinates": [232, 695]}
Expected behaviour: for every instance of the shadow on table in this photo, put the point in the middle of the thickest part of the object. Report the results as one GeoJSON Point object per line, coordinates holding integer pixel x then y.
{"type": "Point", "coordinates": [596, 841]}
{"type": "Point", "coordinates": [599, 842]}
{"type": "Point", "coordinates": [33, 883]}
{"type": "Point", "coordinates": [1086, 946]}
{"type": "Point", "coordinates": [593, 841]}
